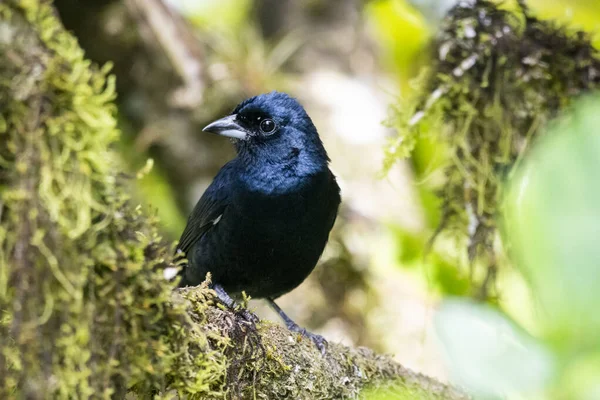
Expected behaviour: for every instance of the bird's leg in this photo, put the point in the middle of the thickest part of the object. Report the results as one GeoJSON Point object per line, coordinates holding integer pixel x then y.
{"type": "Point", "coordinates": [318, 340]}
{"type": "Point", "coordinates": [223, 296]}
{"type": "Point", "coordinates": [229, 302]}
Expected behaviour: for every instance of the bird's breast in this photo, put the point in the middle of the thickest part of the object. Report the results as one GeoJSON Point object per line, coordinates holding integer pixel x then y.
{"type": "Point", "coordinates": [276, 196]}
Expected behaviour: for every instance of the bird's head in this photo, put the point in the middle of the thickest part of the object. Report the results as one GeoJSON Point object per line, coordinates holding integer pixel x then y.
{"type": "Point", "coordinates": [272, 127]}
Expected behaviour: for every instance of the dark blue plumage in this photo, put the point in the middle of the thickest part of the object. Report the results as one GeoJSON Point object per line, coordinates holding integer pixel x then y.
{"type": "Point", "coordinates": [263, 223]}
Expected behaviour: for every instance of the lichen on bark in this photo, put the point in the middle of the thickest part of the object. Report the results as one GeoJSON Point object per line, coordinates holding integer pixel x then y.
{"type": "Point", "coordinates": [497, 76]}
{"type": "Point", "coordinates": [85, 308]}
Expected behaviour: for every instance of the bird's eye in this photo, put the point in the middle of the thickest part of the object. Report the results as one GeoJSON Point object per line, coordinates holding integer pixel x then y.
{"type": "Point", "coordinates": [267, 125]}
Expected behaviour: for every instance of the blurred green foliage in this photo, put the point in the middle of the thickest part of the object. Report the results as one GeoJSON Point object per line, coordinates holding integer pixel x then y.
{"type": "Point", "coordinates": [154, 183]}
{"type": "Point", "coordinates": [439, 268]}
{"type": "Point", "coordinates": [404, 36]}
{"type": "Point", "coordinates": [553, 223]}
{"type": "Point", "coordinates": [151, 186]}
{"type": "Point", "coordinates": [488, 354]}
{"type": "Point", "coordinates": [552, 227]}
{"type": "Point", "coordinates": [220, 15]}
{"type": "Point", "coordinates": [245, 62]}
{"type": "Point", "coordinates": [582, 14]}
{"type": "Point", "coordinates": [396, 391]}
{"type": "Point", "coordinates": [402, 33]}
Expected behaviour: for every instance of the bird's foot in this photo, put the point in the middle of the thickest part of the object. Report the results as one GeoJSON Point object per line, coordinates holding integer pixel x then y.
{"type": "Point", "coordinates": [247, 315]}
{"type": "Point", "coordinates": [318, 340]}
{"type": "Point", "coordinates": [240, 311]}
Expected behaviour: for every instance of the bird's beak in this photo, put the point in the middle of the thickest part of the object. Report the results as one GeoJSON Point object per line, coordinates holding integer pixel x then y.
{"type": "Point", "coordinates": [227, 127]}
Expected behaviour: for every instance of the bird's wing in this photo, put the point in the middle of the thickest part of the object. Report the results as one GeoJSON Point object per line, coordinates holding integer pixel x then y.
{"type": "Point", "coordinates": [208, 211]}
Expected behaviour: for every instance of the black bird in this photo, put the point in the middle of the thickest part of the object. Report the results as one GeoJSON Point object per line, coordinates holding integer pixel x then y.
{"type": "Point", "coordinates": [263, 223]}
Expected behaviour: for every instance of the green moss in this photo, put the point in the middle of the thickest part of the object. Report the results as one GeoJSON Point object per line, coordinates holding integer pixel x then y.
{"type": "Point", "coordinates": [285, 365]}
{"type": "Point", "coordinates": [86, 310]}
{"type": "Point", "coordinates": [497, 77]}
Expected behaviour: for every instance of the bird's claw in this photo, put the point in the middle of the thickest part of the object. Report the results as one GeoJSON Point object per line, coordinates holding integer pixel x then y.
{"type": "Point", "coordinates": [249, 316]}
{"type": "Point", "coordinates": [318, 340]}
{"type": "Point", "coordinates": [237, 309]}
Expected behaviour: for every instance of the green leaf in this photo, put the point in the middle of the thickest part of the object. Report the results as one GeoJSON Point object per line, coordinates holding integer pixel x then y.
{"type": "Point", "coordinates": [488, 354]}
{"type": "Point", "coordinates": [553, 227]}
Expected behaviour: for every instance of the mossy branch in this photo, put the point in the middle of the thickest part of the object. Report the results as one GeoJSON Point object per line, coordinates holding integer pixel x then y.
{"type": "Point", "coordinates": [85, 308]}
{"type": "Point", "coordinates": [270, 362]}
{"type": "Point", "coordinates": [496, 77]}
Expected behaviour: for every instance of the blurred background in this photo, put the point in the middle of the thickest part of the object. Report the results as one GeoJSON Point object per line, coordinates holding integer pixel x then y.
{"type": "Point", "coordinates": [184, 63]}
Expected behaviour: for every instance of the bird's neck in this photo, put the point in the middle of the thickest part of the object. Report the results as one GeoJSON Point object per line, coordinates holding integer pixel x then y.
{"type": "Point", "coordinates": [276, 175]}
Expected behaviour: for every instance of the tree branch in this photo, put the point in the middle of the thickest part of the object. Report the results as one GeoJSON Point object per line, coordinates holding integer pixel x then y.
{"type": "Point", "coordinates": [271, 362]}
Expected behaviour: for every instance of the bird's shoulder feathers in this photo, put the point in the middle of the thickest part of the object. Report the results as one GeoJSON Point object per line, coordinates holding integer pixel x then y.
{"type": "Point", "coordinates": [209, 209]}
